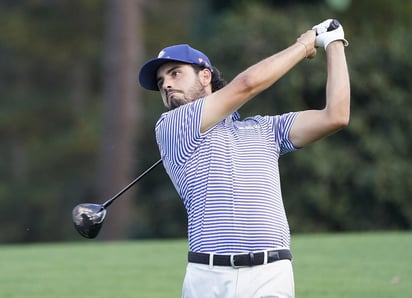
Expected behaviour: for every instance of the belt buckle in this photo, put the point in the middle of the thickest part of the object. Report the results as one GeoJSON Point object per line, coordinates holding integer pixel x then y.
{"type": "Point", "coordinates": [234, 266]}
{"type": "Point", "coordinates": [232, 262]}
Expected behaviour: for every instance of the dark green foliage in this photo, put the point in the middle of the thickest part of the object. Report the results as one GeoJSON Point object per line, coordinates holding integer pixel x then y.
{"type": "Point", "coordinates": [50, 112]}
{"type": "Point", "coordinates": [48, 115]}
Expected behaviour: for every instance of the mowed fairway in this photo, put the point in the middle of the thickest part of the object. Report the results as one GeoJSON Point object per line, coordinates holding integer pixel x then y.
{"type": "Point", "coordinates": [325, 265]}
{"type": "Point", "coordinates": [375, 265]}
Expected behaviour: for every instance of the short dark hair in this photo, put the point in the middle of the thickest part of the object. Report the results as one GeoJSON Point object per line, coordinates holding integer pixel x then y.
{"type": "Point", "coordinates": [218, 82]}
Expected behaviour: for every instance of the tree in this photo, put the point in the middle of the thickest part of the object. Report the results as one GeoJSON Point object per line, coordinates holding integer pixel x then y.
{"type": "Point", "coordinates": [48, 141]}
{"type": "Point", "coordinates": [121, 110]}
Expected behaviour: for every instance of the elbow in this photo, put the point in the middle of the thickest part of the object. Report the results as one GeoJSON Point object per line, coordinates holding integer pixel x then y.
{"type": "Point", "coordinates": [340, 120]}
{"type": "Point", "coordinates": [246, 85]}
{"type": "Point", "coordinates": [339, 113]}
{"type": "Point", "coordinates": [337, 123]}
{"type": "Point", "coordinates": [346, 119]}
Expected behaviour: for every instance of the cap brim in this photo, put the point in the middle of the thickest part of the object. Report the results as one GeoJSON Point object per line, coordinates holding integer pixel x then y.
{"type": "Point", "coordinates": [148, 72]}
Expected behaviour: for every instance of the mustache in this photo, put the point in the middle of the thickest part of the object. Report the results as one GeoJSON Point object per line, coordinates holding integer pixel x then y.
{"type": "Point", "coordinates": [168, 91]}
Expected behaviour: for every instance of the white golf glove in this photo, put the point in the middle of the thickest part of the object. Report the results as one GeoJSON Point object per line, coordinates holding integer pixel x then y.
{"type": "Point", "coordinates": [328, 31]}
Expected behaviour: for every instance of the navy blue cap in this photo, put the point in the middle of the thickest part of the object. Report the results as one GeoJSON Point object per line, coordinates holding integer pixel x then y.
{"type": "Point", "coordinates": [180, 53]}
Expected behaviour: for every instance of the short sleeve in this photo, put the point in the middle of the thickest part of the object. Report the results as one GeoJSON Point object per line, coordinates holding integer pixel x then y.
{"type": "Point", "coordinates": [282, 126]}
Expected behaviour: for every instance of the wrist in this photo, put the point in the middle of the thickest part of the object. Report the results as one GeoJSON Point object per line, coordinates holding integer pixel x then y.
{"type": "Point", "coordinates": [305, 48]}
{"type": "Point", "coordinates": [336, 43]}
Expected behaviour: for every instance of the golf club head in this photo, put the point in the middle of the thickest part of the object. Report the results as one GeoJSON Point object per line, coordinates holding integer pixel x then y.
{"type": "Point", "coordinates": [88, 219]}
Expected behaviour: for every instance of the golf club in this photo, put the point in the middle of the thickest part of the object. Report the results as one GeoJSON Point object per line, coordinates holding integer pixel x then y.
{"type": "Point", "coordinates": [88, 217]}
{"type": "Point", "coordinates": [333, 25]}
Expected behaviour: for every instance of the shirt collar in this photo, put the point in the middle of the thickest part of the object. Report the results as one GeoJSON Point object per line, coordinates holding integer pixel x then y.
{"type": "Point", "coordinates": [235, 116]}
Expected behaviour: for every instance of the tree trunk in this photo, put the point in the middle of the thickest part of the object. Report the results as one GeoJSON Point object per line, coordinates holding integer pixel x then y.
{"type": "Point", "coordinates": [121, 112]}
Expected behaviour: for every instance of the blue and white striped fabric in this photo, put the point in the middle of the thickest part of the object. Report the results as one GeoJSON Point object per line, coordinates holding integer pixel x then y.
{"type": "Point", "coordinates": [228, 178]}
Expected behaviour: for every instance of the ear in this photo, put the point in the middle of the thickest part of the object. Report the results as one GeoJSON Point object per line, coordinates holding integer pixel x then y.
{"type": "Point", "coordinates": [205, 76]}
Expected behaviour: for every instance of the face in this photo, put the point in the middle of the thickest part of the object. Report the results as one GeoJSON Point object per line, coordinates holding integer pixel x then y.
{"type": "Point", "coordinates": [179, 84]}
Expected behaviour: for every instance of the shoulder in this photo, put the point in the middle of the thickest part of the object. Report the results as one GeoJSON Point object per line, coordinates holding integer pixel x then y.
{"type": "Point", "coordinates": [186, 112]}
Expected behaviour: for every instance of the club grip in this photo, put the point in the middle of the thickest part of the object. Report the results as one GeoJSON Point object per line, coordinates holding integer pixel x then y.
{"type": "Point", "coordinates": [333, 25]}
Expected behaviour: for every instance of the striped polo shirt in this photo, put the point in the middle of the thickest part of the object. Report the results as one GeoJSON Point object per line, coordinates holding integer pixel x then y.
{"type": "Point", "coordinates": [228, 178]}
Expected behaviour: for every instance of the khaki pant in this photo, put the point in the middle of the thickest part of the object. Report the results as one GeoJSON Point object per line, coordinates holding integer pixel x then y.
{"type": "Point", "coordinates": [270, 280]}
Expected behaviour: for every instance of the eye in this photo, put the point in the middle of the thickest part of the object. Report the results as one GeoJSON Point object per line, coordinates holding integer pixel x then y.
{"type": "Point", "coordinates": [175, 73]}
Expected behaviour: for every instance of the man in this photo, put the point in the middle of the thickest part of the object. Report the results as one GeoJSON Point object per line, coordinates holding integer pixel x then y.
{"type": "Point", "coordinates": [226, 170]}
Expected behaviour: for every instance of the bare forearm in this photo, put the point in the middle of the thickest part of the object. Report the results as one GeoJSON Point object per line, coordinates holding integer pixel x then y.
{"type": "Point", "coordinates": [338, 85]}
{"type": "Point", "coordinates": [265, 73]}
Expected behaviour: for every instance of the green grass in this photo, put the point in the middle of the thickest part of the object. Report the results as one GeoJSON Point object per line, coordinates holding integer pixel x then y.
{"type": "Point", "coordinates": [353, 265]}
{"type": "Point", "coordinates": [326, 265]}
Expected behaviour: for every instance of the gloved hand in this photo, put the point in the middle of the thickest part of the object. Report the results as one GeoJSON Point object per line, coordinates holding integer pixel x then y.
{"type": "Point", "coordinates": [328, 31]}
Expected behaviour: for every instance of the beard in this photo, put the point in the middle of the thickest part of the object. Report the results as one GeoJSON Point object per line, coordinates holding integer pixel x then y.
{"type": "Point", "coordinates": [179, 97]}
{"type": "Point", "coordinates": [175, 102]}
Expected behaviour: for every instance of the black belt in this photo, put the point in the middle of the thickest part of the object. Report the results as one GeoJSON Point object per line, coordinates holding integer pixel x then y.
{"type": "Point", "coordinates": [241, 260]}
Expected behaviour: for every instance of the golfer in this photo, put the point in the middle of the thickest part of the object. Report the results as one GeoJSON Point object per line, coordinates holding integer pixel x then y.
{"type": "Point", "coordinates": [226, 169]}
